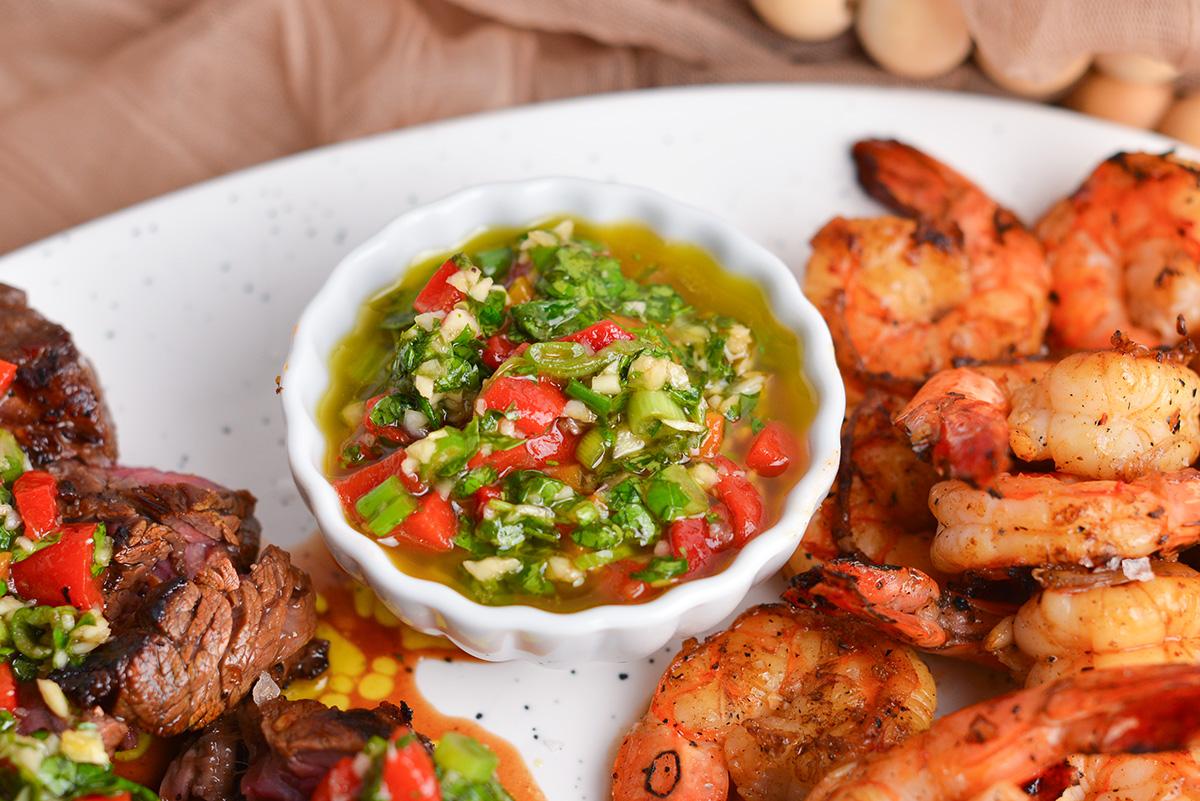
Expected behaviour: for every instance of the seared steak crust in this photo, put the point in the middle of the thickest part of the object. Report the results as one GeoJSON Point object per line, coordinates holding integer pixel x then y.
{"type": "Point", "coordinates": [163, 526]}
{"type": "Point", "coordinates": [197, 645]}
{"type": "Point", "coordinates": [55, 410]}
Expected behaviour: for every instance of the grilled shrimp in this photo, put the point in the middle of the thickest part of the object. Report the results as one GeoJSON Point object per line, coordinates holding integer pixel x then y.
{"type": "Point", "coordinates": [1170, 776]}
{"type": "Point", "coordinates": [1139, 615]}
{"type": "Point", "coordinates": [905, 298]}
{"type": "Point", "coordinates": [1011, 739]}
{"type": "Point", "coordinates": [903, 602]}
{"type": "Point", "coordinates": [879, 505]}
{"type": "Point", "coordinates": [1058, 519]}
{"type": "Point", "coordinates": [771, 704]}
{"type": "Point", "coordinates": [1124, 252]}
{"type": "Point", "coordinates": [959, 417]}
{"type": "Point", "coordinates": [1120, 413]}
{"type": "Point", "coordinates": [1078, 623]}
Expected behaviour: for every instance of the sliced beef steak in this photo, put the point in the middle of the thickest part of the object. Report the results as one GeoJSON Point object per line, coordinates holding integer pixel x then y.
{"type": "Point", "coordinates": [163, 526]}
{"type": "Point", "coordinates": [276, 751]}
{"type": "Point", "coordinates": [211, 767]}
{"type": "Point", "coordinates": [55, 411]}
{"type": "Point", "coordinates": [295, 743]}
{"type": "Point", "coordinates": [197, 645]}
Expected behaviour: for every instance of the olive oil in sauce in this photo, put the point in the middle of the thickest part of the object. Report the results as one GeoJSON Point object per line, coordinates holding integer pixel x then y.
{"type": "Point", "coordinates": [373, 657]}
{"type": "Point", "coordinates": [360, 365]}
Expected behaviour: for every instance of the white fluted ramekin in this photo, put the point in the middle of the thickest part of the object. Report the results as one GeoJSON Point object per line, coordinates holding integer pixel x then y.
{"type": "Point", "coordinates": [613, 633]}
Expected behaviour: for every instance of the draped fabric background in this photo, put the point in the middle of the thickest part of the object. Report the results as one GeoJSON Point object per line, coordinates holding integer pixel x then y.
{"type": "Point", "coordinates": [104, 103]}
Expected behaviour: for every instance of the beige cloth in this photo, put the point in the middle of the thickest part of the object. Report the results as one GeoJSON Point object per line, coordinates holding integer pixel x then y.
{"type": "Point", "coordinates": [104, 103]}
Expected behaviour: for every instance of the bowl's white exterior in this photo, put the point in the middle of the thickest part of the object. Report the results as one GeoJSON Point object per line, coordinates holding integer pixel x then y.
{"type": "Point", "coordinates": [610, 633]}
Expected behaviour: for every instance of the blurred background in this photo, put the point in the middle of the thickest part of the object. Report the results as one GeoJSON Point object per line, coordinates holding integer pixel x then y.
{"type": "Point", "coordinates": [104, 103]}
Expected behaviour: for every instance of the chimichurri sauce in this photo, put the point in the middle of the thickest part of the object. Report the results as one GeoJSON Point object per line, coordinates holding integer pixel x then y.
{"type": "Point", "coordinates": [565, 416]}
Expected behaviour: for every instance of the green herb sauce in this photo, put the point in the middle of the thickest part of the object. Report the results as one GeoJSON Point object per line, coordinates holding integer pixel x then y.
{"type": "Point", "coordinates": [596, 522]}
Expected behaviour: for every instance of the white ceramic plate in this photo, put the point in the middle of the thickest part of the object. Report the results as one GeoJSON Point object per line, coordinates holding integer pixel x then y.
{"type": "Point", "coordinates": [185, 304]}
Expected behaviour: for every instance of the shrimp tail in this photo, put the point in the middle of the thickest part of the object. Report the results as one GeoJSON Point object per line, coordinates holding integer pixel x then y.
{"type": "Point", "coordinates": [906, 180]}
{"type": "Point", "coordinates": [897, 600]}
{"type": "Point", "coordinates": [959, 420]}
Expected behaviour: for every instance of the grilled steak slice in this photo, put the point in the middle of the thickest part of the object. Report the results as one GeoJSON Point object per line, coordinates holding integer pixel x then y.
{"type": "Point", "coordinates": [163, 526]}
{"type": "Point", "coordinates": [285, 748]}
{"type": "Point", "coordinates": [210, 768]}
{"type": "Point", "coordinates": [294, 743]}
{"type": "Point", "coordinates": [55, 411]}
{"type": "Point", "coordinates": [197, 645]}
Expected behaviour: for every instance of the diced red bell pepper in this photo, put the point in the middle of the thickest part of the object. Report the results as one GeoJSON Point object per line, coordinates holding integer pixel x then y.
{"type": "Point", "coordinates": [618, 585]}
{"type": "Point", "coordinates": [8, 688]}
{"type": "Point", "coordinates": [365, 479]}
{"type": "Point", "coordinates": [555, 446]}
{"type": "Point", "coordinates": [392, 433]}
{"type": "Point", "coordinates": [773, 451]}
{"type": "Point", "coordinates": [36, 495]}
{"type": "Point", "coordinates": [689, 539]}
{"type": "Point", "coordinates": [537, 403]}
{"type": "Point", "coordinates": [62, 573]}
{"type": "Point", "coordinates": [408, 771]}
{"type": "Point", "coordinates": [340, 783]}
{"type": "Point", "coordinates": [497, 349]}
{"type": "Point", "coordinates": [8, 371]}
{"type": "Point", "coordinates": [485, 494]}
{"type": "Point", "coordinates": [698, 539]}
{"type": "Point", "coordinates": [433, 524]}
{"type": "Point", "coordinates": [744, 501]}
{"type": "Point", "coordinates": [438, 294]}
{"type": "Point", "coordinates": [599, 336]}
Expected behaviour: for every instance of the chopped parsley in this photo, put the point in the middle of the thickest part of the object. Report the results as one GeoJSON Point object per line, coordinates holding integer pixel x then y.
{"type": "Point", "coordinates": [559, 402]}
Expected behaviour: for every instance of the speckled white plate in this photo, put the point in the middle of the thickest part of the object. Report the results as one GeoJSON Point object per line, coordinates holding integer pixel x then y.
{"type": "Point", "coordinates": [185, 304]}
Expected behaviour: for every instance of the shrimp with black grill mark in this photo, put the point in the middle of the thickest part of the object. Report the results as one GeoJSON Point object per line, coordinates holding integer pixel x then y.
{"type": "Point", "coordinates": [997, 746]}
{"type": "Point", "coordinates": [1058, 519]}
{"type": "Point", "coordinates": [769, 706]}
{"type": "Point", "coordinates": [1124, 252]}
{"type": "Point", "coordinates": [958, 277]}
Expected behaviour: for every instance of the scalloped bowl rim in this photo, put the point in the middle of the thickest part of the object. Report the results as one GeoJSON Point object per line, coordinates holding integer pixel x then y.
{"type": "Point", "coordinates": [609, 632]}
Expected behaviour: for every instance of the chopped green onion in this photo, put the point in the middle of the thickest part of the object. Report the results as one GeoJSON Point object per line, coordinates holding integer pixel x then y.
{"type": "Point", "coordinates": [563, 359]}
{"type": "Point", "coordinates": [594, 559]}
{"type": "Point", "coordinates": [583, 513]}
{"type": "Point", "coordinates": [386, 506]}
{"type": "Point", "coordinates": [571, 360]}
{"type": "Point", "coordinates": [466, 755]}
{"type": "Point", "coordinates": [648, 407]}
{"type": "Point", "coordinates": [600, 404]}
{"type": "Point", "coordinates": [591, 449]}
